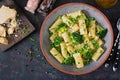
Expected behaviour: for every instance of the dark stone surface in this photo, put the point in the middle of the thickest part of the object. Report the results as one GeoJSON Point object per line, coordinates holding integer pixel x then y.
{"type": "Point", "coordinates": [25, 61]}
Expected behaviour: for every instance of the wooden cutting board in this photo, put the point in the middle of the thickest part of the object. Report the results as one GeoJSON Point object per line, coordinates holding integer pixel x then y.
{"type": "Point", "coordinates": [25, 27]}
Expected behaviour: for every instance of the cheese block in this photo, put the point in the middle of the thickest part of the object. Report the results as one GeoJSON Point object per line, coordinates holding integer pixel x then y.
{"type": "Point", "coordinates": [12, 27]}
{"type": "Point", "coordinates": [2, 31]}
{"type": "Point", "coordinates": [6, 14]}
{"type": "Point", "coordinates": [10, 30]}
{"type": "Point", "coordinates": [13, 23]}
{"type": "Point", "coordinates": [3, 41]}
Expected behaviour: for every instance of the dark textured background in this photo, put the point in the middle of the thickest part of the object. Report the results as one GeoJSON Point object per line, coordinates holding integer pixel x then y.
{"type": "Point", "coordinates": [18, 64]}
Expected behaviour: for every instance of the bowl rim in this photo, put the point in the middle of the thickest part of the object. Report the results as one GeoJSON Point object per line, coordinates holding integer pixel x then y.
{"type": "Point", "coordinates": [57, 67]}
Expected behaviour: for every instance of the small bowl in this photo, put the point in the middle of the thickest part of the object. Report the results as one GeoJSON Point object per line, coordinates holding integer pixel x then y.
{"type": "Point", "coordinates": [89, 11]}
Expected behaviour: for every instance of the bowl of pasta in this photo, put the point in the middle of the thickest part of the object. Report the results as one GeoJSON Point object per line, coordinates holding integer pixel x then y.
{"type": "Point", "coordinates": [76, 38]}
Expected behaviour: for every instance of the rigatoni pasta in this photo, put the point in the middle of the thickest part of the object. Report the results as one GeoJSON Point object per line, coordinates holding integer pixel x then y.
{"type": "Point", "coordinates": [78, 60]}
{"type": "Point", "coordinates": [54, 26]}
{"type": "Point", "coordinates": [76, 39]}
{"type": "Point", "coordinates": [64, 50]}
{"type": "Point", "coordinates": [92, 31]}
{"type": "Point", "coordinates": [57, 55]}
{"type": "Point", "coordinates": [97, 54]}
{"type": "Point", "coordinates": [82, 25]}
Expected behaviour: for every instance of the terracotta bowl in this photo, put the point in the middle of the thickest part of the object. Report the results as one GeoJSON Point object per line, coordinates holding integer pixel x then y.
{"type": "Point", "coordinates": [89, 11]}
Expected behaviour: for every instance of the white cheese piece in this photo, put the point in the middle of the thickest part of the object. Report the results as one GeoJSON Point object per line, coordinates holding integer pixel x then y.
{"type": "Point", "coordinates": [10, 30]}
{"type": "Point", "coordinates": [13, 23]}
{"type": "Point", "coordinates": [2, 31]}
{"type": "Point", "coordinates": [12, 27]}
{"type": "Point", "coordinates": [6, 14]}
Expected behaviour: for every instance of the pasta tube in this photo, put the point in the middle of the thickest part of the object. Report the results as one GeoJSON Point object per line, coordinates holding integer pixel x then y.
{"type": "Point", "coordinates": [57, 55]}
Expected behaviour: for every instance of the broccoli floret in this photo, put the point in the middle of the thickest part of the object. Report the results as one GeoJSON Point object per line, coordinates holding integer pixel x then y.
{"type": "Point", "coordinates": [101, 32]}
{"type": "Point", "coordinates": [61, 28]}
{"type": "Point", "coordinates": [50, 33]}
{"type": "Point", "coordinates": [69, 61]}
{"type": "Point", "coordinates": [79, 50]}
{"type": "Point", "coordinates": [56, 47]}
{"type": "Point", "coordinates": [76, 38]}
{"type": "Point", "coordinates": [95, 43]}
{"type": "Point", "coordinates": [87, 21]}
{"type": "Point", "coordinates": [57, 41]}
{"type": "Point", "coordinates": [75, 20]}
{"type": "Point", "coordinates": [86, 47]}
{"type": "Point", "coordinates": [86, 62]}
{"type": "Point", "coordinates": [88, 54]}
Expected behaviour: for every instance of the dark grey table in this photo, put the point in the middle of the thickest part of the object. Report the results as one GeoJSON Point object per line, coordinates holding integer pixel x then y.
{"type": "Point", "coordinates": [19, 63]}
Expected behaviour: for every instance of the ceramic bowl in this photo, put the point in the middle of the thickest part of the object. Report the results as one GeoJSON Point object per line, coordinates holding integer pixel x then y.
{"type": "Point", "coordinates": [89, 11]}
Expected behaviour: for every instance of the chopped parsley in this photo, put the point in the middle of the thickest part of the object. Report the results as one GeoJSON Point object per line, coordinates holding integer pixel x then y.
{"type": "Point", "coordinates": [32, 39]}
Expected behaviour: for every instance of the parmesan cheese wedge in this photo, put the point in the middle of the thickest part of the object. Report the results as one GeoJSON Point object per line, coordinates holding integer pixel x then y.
{"type": "Point", "coordinates": [6, 14]}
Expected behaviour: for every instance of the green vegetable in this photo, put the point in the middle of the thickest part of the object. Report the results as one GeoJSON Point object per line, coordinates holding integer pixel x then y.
{"type": "Point", "coordinates": [56, 47]}
{"type": "Point", "coordinates": [72, 19]}
{"type": "Point", "coordinates": [79, 50]}
{"type": "Point", "coordinates": [101, 51]}
{"type": "Point", "coordinates": [69, 23]}
{"type": "Point", "coordinates": [30, 54]}
{"type": "Point", "coordinates": [101, 32]}
{"type": "Point", "coordinates": [81, 16]}
{"type": "Point", "coordinates": [62, 25]}
{"type": "Point", "coordinates": [69, 61]}
{"type": "Point", "coordinates": [83, 38]}
{"type": "Point", "coordinates": [88, 54]}
{"type": "Point", "coordinates": [87, 21]}
{"type": "Point", "coordinates": [61, 28]}
{"type": "Point", "coordinates": [86, 47]}
{"type": "Point", "coordinates": [75, 20]}
{"type": "Point", "coordinates": [51, 33]}
{"type": "Point", "coordinates": [25, 30]}
{"type": "Point", "coordinates": [95, 43]}
{"type": "Point", "coordinates": [60, 17]}
{"type": "Point", "coordinates": [85, 62]}
{"type": "Point", "coordinates": [32, 39]}
{"type": "Point", "coordinates": [56, 43]}
{"type": "Point", "coordinates": [36, 48]}
{"type": "Point", "coordinates": [76, 38]}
